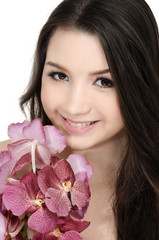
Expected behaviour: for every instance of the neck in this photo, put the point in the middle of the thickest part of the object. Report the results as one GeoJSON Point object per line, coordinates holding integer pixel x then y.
{"type": "Point", "coordinates": [105, 160]}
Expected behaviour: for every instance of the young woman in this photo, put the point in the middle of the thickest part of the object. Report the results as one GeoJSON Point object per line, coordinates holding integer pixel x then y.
{"type": "Point", "coordinates": [96, 78]}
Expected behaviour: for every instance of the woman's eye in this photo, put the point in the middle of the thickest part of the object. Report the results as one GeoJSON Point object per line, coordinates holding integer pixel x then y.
{"type": "Point", "coordinates": [104, 83]}
{"type": "Point", "coordinates": [58, 76]}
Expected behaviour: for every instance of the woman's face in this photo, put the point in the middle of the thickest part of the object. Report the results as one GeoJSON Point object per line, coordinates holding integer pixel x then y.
{"type": "Point", "coordinates": [78, 93]}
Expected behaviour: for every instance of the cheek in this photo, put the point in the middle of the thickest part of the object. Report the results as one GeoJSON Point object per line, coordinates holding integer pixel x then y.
{"type": "Point", "coordinates": [45, 96]}
{"type": "Point", "coordinates": [52, 98]}
{"type": "Point", "coordinates": [109, 107]}
{"type": "Point", "coordinates": [115, 115]}
{"type": "Point", "coordinates": [48, 96]}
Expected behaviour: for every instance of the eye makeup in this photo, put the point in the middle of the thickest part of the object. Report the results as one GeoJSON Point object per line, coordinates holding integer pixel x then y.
{"type": "Point", "coordinates": [101, 82]}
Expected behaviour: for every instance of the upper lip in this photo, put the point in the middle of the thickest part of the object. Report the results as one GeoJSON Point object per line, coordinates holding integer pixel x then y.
{"type": "Point", "coordinates": [70, 120]}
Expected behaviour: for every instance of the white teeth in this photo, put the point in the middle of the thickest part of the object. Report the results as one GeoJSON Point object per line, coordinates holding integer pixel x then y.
{"type": "Point", "coordinates": [79, 124]}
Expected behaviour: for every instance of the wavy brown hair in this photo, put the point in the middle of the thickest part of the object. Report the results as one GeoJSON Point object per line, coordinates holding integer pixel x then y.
{"type": "Point", "coordinates": [128, 33]}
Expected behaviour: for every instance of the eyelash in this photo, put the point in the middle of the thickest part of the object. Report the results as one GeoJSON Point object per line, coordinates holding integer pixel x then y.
{"type": "Point", "coordinates": [109, 83]}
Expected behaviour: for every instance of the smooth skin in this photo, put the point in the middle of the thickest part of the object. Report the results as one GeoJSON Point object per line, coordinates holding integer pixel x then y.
{"type": "Point", "coordinates": [77, 87]}
{"type": "Point", "coordinates": [77, 92]}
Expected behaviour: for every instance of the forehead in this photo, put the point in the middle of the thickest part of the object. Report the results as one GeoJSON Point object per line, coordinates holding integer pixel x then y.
{"type": "Point", "coordinates": [73, 47]}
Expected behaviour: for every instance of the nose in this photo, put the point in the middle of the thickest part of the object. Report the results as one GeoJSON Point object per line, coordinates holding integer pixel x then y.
{"type": "Point", "coordinates": [77, 101]}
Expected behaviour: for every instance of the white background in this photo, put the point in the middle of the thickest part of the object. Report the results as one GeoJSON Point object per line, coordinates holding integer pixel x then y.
{"type": "Point", "coordinates": [20, 24]}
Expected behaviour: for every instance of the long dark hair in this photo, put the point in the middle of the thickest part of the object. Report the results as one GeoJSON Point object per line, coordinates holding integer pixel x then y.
{"type": "Point", "coordinates": [129, 36]}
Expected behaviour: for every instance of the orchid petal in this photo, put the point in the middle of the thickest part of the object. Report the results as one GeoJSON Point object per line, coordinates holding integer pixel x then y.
{"type": "Point", "coordinates": [13, 223]}
{"type": "Point", "coordinates": [18, 229]}
{"type": "Point", "coordinates": [47, 179]}
{"type": "Point", "coordinates": [79, 213]}
{"type": "Point", "coordinates": [68, 224]}
{"type": "Point", "coordinates": [55, 139]}
{"type": "Point", "coordinates": [80, 194]}
{"type": "Point", "coordinates": [15, 130]}
{"type": "Point", "coordinates": [40, 236]}
{"type": "Point", "coordinates": [3, 226]}
{"type": "Point", "coordinates": [71, 235]}
{"type": "Point", "coordinates": [4, 158]}
{"type": "Point", "coordinates": [6, 166]}
{"type": "Point", "coordinates": [35, 130]}
{"type": "Point", "coordinates": [42, 220]}
{"type": "Point", "coordinates": [54, 160]}
{"type": "Point", "coordinates": [80, 166]}
{"type": "Point", "coordinates": [31, 184]}
{"type": "Point", "coordinates": [18, 149]}
{"type": "Point", "coordinates": [2, 207]}
{"type": "Point", "coordinates": [33, 150]}
{"type": "Point", "coordinates": [44, 156]}
{"type": "Point", "coordinates": [22, 162]}
{"type": "Point", "coordinates": [64, 171]}
{"type": "Point", "coordinates": [31, 233]}
{"type": "Point", "coordinates": [16, 199]}
{"type": "Point", "coordinates": [57, 201]}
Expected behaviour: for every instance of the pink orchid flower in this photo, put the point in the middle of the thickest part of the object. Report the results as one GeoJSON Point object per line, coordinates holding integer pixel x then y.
{"type": "Point", "coordinates": [66, 229]}
{"type": "Point", "coordinates": [10, 226]}
{"type": "Point", "coordinates": [6, 166]}
{"type": "Point", "coordinates": [33, 137]}
{"type": "Point", "coordinates": [24, 196]}
{"type": "Point", "coordinates": [81, 168]}
{"type": "Point", "coordinates": [65, 224]}
{"type": "Point", "coordinates": [9, 166]}
{"type": "Point", "coordinates": [83, 171]}
{"type": "Point", "coordinates": [62, 191]}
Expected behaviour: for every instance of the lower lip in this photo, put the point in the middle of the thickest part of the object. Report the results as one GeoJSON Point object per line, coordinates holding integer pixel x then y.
{"type": "Point", "coordinates": [77, 130]}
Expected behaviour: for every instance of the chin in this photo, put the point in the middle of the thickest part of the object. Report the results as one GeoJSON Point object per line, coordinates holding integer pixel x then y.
{"type": "Point", "coordinates": [77, 145]}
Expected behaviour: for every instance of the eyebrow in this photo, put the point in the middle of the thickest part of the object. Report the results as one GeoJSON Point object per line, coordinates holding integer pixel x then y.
{"type": "Point", "coordinates": [50, 63]}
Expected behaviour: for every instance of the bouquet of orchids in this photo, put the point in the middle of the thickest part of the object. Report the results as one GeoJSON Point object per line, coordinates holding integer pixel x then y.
{"type": "Point", "coordinates": [42, 196]}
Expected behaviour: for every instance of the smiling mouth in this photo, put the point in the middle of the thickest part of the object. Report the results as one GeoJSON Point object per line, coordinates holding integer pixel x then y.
{"type": "Point", "coordinates": [75, 127]}
{"type": "Point", "coordinates": [79, 124]}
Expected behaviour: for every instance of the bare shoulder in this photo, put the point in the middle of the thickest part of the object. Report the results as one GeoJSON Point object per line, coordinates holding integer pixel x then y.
{"type": "Point", "coordinates": [3, 145]}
